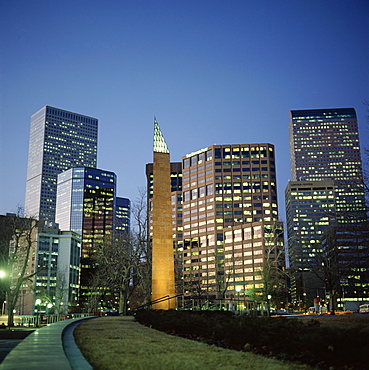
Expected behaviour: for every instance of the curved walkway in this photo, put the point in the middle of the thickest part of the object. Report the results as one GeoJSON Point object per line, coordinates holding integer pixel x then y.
{"type": "Point", "coordinates": [48, 348]}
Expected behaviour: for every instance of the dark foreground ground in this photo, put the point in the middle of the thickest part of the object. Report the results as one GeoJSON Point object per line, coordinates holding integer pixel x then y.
{"type": "Point", "coordinates": [9, 339]}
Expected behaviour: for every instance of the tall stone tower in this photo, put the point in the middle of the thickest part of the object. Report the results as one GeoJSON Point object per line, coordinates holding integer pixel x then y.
{"type": "Point", "coordinates": [162, 242]}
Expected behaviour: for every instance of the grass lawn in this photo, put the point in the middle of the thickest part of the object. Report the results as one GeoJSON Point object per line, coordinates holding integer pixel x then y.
{"type": "Point", "coordinates": [121, 343]}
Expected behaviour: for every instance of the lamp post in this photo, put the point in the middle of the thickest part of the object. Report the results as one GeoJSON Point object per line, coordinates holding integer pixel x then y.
{"type": "Point", "coordinates": [238, 289]}
{"type": "Point", "coordinates": [49, 305]}
{"type": "Point", "coordinates": [60, 310]}
{"type": "Point", "coordinates": [38, 303]}
{"type": "Point", "coordinates": [268, 303]}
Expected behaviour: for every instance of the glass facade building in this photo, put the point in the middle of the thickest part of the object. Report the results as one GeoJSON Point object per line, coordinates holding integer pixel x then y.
{"type": "Point", "coordinates": [87, 204]}
{"type": "Point", "coordinates": [326, 190]}
{"type": "Point", "coordinates": [311, 211]}
{"type": "Point", "coordinates": [78, 190]}
{"type": "Point", "coordinates": [122, 215]}
{"type": "Point", "coordinates": [349, 251]}
{"type": "Point", "coordinates": [324, 145]}
{"type": "Point", "coordinates": [59, 140]}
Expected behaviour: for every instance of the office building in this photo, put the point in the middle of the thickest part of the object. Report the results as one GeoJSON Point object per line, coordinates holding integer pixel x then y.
{"type": "Point", "coordinates": [326, 191]}
{"type": "Point", "coordinates": [59, 140]}
{"type": "Point", "coordinates": [229, 222]}
{"type": "Point", "coordinates": [324, 145]}
{"type": "Point", "coordinates": [122, 215]}
{"type": "Point", "coordinates": [347, 274]}
{"type": "Point", "coordinates": [311, 211]}
{"type": "Point", "coordinates": [56, 285]}
{"type": "Point", "coordinates": [79, 191]}
{"type": "Point", "coordinates": [87, 204]}
{"type": "Point", "coordinates": [53, 263]}
{"type": "Point", "coordinates": [225, 227]}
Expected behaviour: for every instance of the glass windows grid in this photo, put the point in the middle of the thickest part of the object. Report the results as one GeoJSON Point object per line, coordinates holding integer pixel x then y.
{"type": "Point", "coordinates": [58, 140]}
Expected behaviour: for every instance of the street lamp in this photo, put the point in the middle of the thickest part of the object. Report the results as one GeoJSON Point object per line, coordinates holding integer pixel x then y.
{"type": "Point", "coordinates": [38, 303]}
{"type": "Point", "coordinates": [238, 289]}
{"type": "Point", "coordinates": [48, 306]}
{"type": "Point", "coordinates": [268, 302]}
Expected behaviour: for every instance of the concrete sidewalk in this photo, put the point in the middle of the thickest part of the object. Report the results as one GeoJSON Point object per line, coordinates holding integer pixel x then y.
{"type": "Point", "coordinates": [44, 349]}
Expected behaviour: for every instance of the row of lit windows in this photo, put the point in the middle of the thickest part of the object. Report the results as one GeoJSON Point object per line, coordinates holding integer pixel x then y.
{"type": "Point", "coordinates": [226, 153]}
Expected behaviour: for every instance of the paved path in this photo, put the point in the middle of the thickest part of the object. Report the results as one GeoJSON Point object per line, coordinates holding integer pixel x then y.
{"type": "Point", "coordinates": [44, 349]}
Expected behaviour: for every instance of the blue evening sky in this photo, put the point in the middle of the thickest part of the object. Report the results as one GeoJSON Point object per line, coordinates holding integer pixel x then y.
{"type": "Point", "coordinates": [212, 72]}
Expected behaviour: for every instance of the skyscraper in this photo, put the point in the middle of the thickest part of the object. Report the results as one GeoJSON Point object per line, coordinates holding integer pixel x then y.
{"type": "Point", "coordinates": [310, 209]}
{"type": "Point", "coordinates": [230, 224]}
{"type": "Point", "coordinates": [78, 192]}
{"type": "Point", "coordinates": [86, 204]}
{"type": "Point", "coordinates": [327, 188]}
{"type": "Point", "coordinates": [59, 140]}
{"type": "Point", "coordinates": [324, 145]}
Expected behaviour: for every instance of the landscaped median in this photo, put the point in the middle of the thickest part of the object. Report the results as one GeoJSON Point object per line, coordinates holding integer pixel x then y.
{"type": "Point", "coordinates": [122, 343]}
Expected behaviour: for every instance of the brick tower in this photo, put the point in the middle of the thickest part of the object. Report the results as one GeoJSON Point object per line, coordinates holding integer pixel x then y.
{"type": "Point", "coordinates": [162, 242]}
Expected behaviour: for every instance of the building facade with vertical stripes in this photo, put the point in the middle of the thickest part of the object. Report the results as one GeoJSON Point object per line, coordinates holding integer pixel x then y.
{"type": "Point", "coordinates": [59, 140]}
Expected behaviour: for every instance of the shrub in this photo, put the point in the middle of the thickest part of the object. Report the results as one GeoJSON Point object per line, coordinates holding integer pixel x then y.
{"type": "Point", "coordinates": [285, 338]}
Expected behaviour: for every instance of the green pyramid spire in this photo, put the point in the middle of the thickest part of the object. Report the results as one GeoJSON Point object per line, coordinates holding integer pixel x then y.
{"type": "Point", "coordinates": [160, 145]}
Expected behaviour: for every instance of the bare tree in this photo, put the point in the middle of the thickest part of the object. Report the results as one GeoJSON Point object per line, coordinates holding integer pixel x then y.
{"type": "Point", "coordinates": [16, 257]}
{"type": "Point", "coordinates": [141, 241]}
{"type": "Point", "coordinates": [225, 275]}
{"type": "Point", "coordinates": [233, 260]}
{"type": "Point", "coordinates": [96, 288]}
{"type": "Point", "coordinates": [61, 292]}
{"type": "Point", "coordinates": [204, 284]}
{"type": "Point", "coordinates": [195, 288]}
{"type": "Point", "coordinates": [271, 274]}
